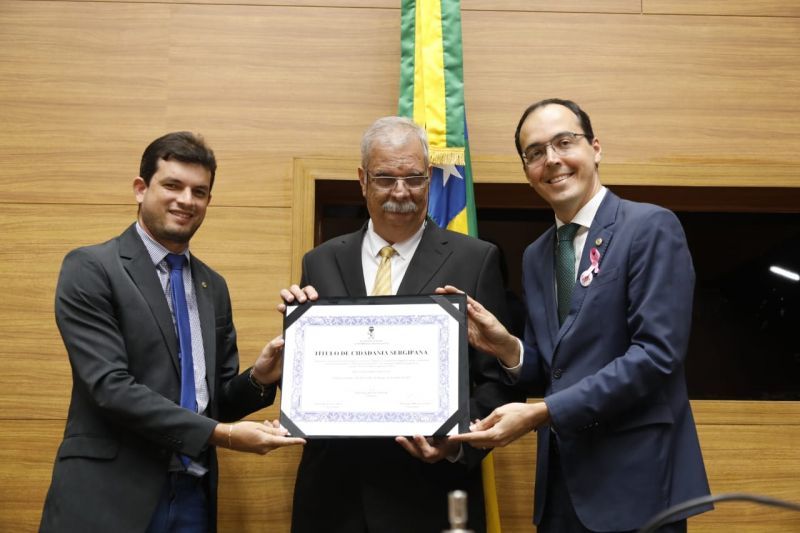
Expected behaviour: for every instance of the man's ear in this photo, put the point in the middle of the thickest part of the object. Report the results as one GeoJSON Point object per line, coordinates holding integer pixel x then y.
{"type": "Point", "coordinates": [362, 179]}
{"type": "Point", "coordinates": [139, 188]}
{"type": "Point", "coordinates": [598, 150]}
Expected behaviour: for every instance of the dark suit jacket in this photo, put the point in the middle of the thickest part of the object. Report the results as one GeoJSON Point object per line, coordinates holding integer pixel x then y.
{"type": "Point", "coordinates": [344, 484]}
{"type": "Point", "coordinates": [124, 420]}
{"type": "Point", "coordinates": [613, 373]}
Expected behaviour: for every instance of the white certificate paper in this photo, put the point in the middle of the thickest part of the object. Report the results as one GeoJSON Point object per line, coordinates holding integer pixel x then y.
{"type": "Point", "coordinates": [379, 366]}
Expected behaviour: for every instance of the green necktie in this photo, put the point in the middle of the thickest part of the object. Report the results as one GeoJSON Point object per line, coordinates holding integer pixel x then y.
{"type": "Point", "coordinates": [565, 268]}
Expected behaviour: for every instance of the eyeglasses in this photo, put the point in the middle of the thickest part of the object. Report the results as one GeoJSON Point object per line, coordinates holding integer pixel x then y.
{"type": "Point", "coordinates": [562, 144]}
{"type": "Point", "coordinates": [389, 182]}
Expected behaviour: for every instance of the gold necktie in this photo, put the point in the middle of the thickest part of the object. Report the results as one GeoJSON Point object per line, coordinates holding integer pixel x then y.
{"type": "Point", "coordinates": [383, 279]}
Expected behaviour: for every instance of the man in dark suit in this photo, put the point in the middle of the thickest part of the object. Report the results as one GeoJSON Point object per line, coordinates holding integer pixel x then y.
{"type": "Point", "coordinates": [134, 459]}
{"type": "Point", "coordinates": [609, 304]}
{"type": "Point", "coordinates": [400, 485]}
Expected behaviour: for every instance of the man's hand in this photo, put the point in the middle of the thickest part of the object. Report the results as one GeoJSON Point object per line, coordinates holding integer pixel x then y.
{"type": "Point", "coordinates": [252, 437]}
{"type": "Point", "coordinates": [429, 450]}
{"type": "Point", "coordinates": [485, 332]}
{"type": "Point", "coordinates": [505, 424]}
{"type": "Point", "coordinates": [296, 294]}
{"type": "Point", "coordinates": [269, 365]}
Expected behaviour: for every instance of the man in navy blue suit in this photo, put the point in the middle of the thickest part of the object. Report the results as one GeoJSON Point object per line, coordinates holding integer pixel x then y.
{"type": "Point", "coordinates": [608, 293]}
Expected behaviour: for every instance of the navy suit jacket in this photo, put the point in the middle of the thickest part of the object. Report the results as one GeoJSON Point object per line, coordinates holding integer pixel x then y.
{"type": "Point", "coordinates": [613, 373]}
{"type": "Point", "coordinates": [346, 484]}
{"type": "Point", "coordinates": [125, 421]}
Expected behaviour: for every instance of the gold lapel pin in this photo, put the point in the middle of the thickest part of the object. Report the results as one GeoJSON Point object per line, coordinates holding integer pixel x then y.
{"type": "Point", "coordinates": [598, 241]}
{"type": "Point", "coordinates": [204, 284]}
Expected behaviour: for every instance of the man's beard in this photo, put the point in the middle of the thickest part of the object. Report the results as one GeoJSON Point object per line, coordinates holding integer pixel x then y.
{"type": "Point", "coordinates": [160, 231]}
{"type": "Point", "coordinates": [390, 206]}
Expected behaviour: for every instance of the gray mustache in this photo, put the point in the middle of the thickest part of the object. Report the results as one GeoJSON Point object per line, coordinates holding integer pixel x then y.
{"type": "Point", "coordinates": [390, 206]}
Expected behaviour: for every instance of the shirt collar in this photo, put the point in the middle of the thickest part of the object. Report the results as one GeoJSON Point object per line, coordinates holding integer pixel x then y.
{"type": "Point", "coordinates": [404, 250]}
{"type": "Point", "coordinates": [586, 214]}
{"type": "Point", "coordinates": [155, 249]}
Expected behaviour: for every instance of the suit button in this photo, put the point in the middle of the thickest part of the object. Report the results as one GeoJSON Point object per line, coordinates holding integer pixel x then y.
{"type": "Point", "coordinates": [557, 373]}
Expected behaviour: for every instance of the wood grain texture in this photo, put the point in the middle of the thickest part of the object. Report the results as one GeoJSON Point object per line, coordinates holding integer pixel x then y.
{"type": "Point", "coordinates": [751, 458]}
{"type": "Point", "coordinates": [753, 8]}
{"type": "Point", "coordinates": [757, 454]}
{"type": "Point", "coordinates": [680, 93]}
{"type": "Point", "coordinates": [691, 90]}
{"type": "Point", "coordinates": [568, 6]}
{"type": "Point", "coordinates": [672, 89]}
{"type": "Point", "coordinates": [249, 246]}
{"type": "Point", "coordinates": [256, 493]}
{"type": "Point", "coordinates": [27, 450]}
{"type": "Point", "coordinates": [83, 87]}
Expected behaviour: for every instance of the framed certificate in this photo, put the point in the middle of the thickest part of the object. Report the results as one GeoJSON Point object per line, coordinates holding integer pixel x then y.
{"type": "Point", "coordinates": [376, 367]}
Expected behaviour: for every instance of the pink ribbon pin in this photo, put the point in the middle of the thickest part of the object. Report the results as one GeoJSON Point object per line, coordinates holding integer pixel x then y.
{"type": "Point", "coordinates": [594, 268]}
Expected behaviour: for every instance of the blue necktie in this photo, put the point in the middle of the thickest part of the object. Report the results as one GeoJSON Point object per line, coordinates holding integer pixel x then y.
{"type": "Point", "coordinates": [181, 311]}
{"type": "Point", "coordinates": [565, 268]}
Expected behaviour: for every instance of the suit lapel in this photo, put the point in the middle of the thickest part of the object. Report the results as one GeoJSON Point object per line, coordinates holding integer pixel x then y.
{"type": "Point", "coordinates": [137, 263]}
{"type": "Point", "coordinates": [602, 230]}
{"type": "Point", "coordinates": [348, 259]}
{"type": "Point", "coordinates": [546, 265]}
{"type": "Point", "coordinates": [205, 309]}
{"type": "Point", "coordinates": [432, 252]}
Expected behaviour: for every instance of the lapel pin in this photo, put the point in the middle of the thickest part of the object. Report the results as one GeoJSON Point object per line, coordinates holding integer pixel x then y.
{"type": "Point", "coordinates": [598, 241]}
{"type": "Point", "coordinates": [587, 276]}
{"type": "Point", "coordinates": [204, 284]}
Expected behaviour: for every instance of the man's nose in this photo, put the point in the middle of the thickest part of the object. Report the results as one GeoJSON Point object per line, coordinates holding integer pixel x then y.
{"type": "Point", "coordinates": [550, 154]}
{"type": "Point", "coordinates": [400, 188]}
{"type": "Point", "coordinates": [185, 196]}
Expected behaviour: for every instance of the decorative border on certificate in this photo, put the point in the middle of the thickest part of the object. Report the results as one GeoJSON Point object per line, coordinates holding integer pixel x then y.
{"type": "Point", "coordinates": [379, 366]}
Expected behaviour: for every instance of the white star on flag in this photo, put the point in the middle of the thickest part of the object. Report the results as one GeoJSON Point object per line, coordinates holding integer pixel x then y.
{"type": "Point", "coordinates": [447, 171]}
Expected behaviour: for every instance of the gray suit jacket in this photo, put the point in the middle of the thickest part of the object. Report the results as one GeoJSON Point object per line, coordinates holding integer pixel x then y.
{"type": "Point", "coordinates": [125, 422]}
{"type": "Point", "coordinates": [343, 484]}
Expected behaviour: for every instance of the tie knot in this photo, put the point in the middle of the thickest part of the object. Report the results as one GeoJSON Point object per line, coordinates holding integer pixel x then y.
{"type": "Point", "coordinates": [387, 252]}
{"type": "Point", "coordinates": [176, 261]}
{"type": "Point", "coordinates": [567, 231]}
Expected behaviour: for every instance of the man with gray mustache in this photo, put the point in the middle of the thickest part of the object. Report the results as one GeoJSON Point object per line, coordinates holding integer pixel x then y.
{"type": "Point", "coordinates": [397, 485]}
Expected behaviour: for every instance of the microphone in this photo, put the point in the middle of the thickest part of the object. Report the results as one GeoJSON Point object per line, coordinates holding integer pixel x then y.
{"type": "Point", "coordinates": [457, 512]}
{"type": "Point", "coordinates": [669, 515]}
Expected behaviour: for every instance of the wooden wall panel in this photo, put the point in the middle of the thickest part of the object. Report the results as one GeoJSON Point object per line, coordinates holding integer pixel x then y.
{"type": "Point", "coordinates": [249, 246]}
{"type": "Point", "coordinates": [515, 471]}
{"type": "Point", "coordinates": [756, 459]}
{"type": "Point", "coordinates": [753, 8]}
{"type": "Point", "coordinates": [282, 81]}
{"type": "Point", "coordinates": [680, 92]}
{"type": "Point", "coordinates": [27, 450]}
{"type": "Point", "coordinates": [83, 87]}
{"type": "Point", "coordinates": [732, 436]}
{"type": "Point", "coordinates": [565, 6]}
{"type": "Point", "coordinates": [258, 490]}
{"type": "Point", "coordinates": [693, 90]}
{"type": "Point", "coordinates": [661, 89]}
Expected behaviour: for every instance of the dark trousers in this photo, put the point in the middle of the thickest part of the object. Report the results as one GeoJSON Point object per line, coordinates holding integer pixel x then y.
{"type": "Point", "coordinates": [182, 507]}
{"type": "Point", "coordinates": [559, 513]}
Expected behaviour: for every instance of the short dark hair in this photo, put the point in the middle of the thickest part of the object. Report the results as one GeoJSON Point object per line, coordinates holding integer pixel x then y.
{"type": "Point", "coordinates": [586, 123]}
{"type": "Point", "coordinates": [183, 146]}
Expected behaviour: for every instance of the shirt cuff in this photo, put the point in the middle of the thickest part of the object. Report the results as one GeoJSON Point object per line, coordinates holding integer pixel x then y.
{"type": "Point", "coordinates": [457, 457]}
{"type": "Point", "coordinates": [514, 371]}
